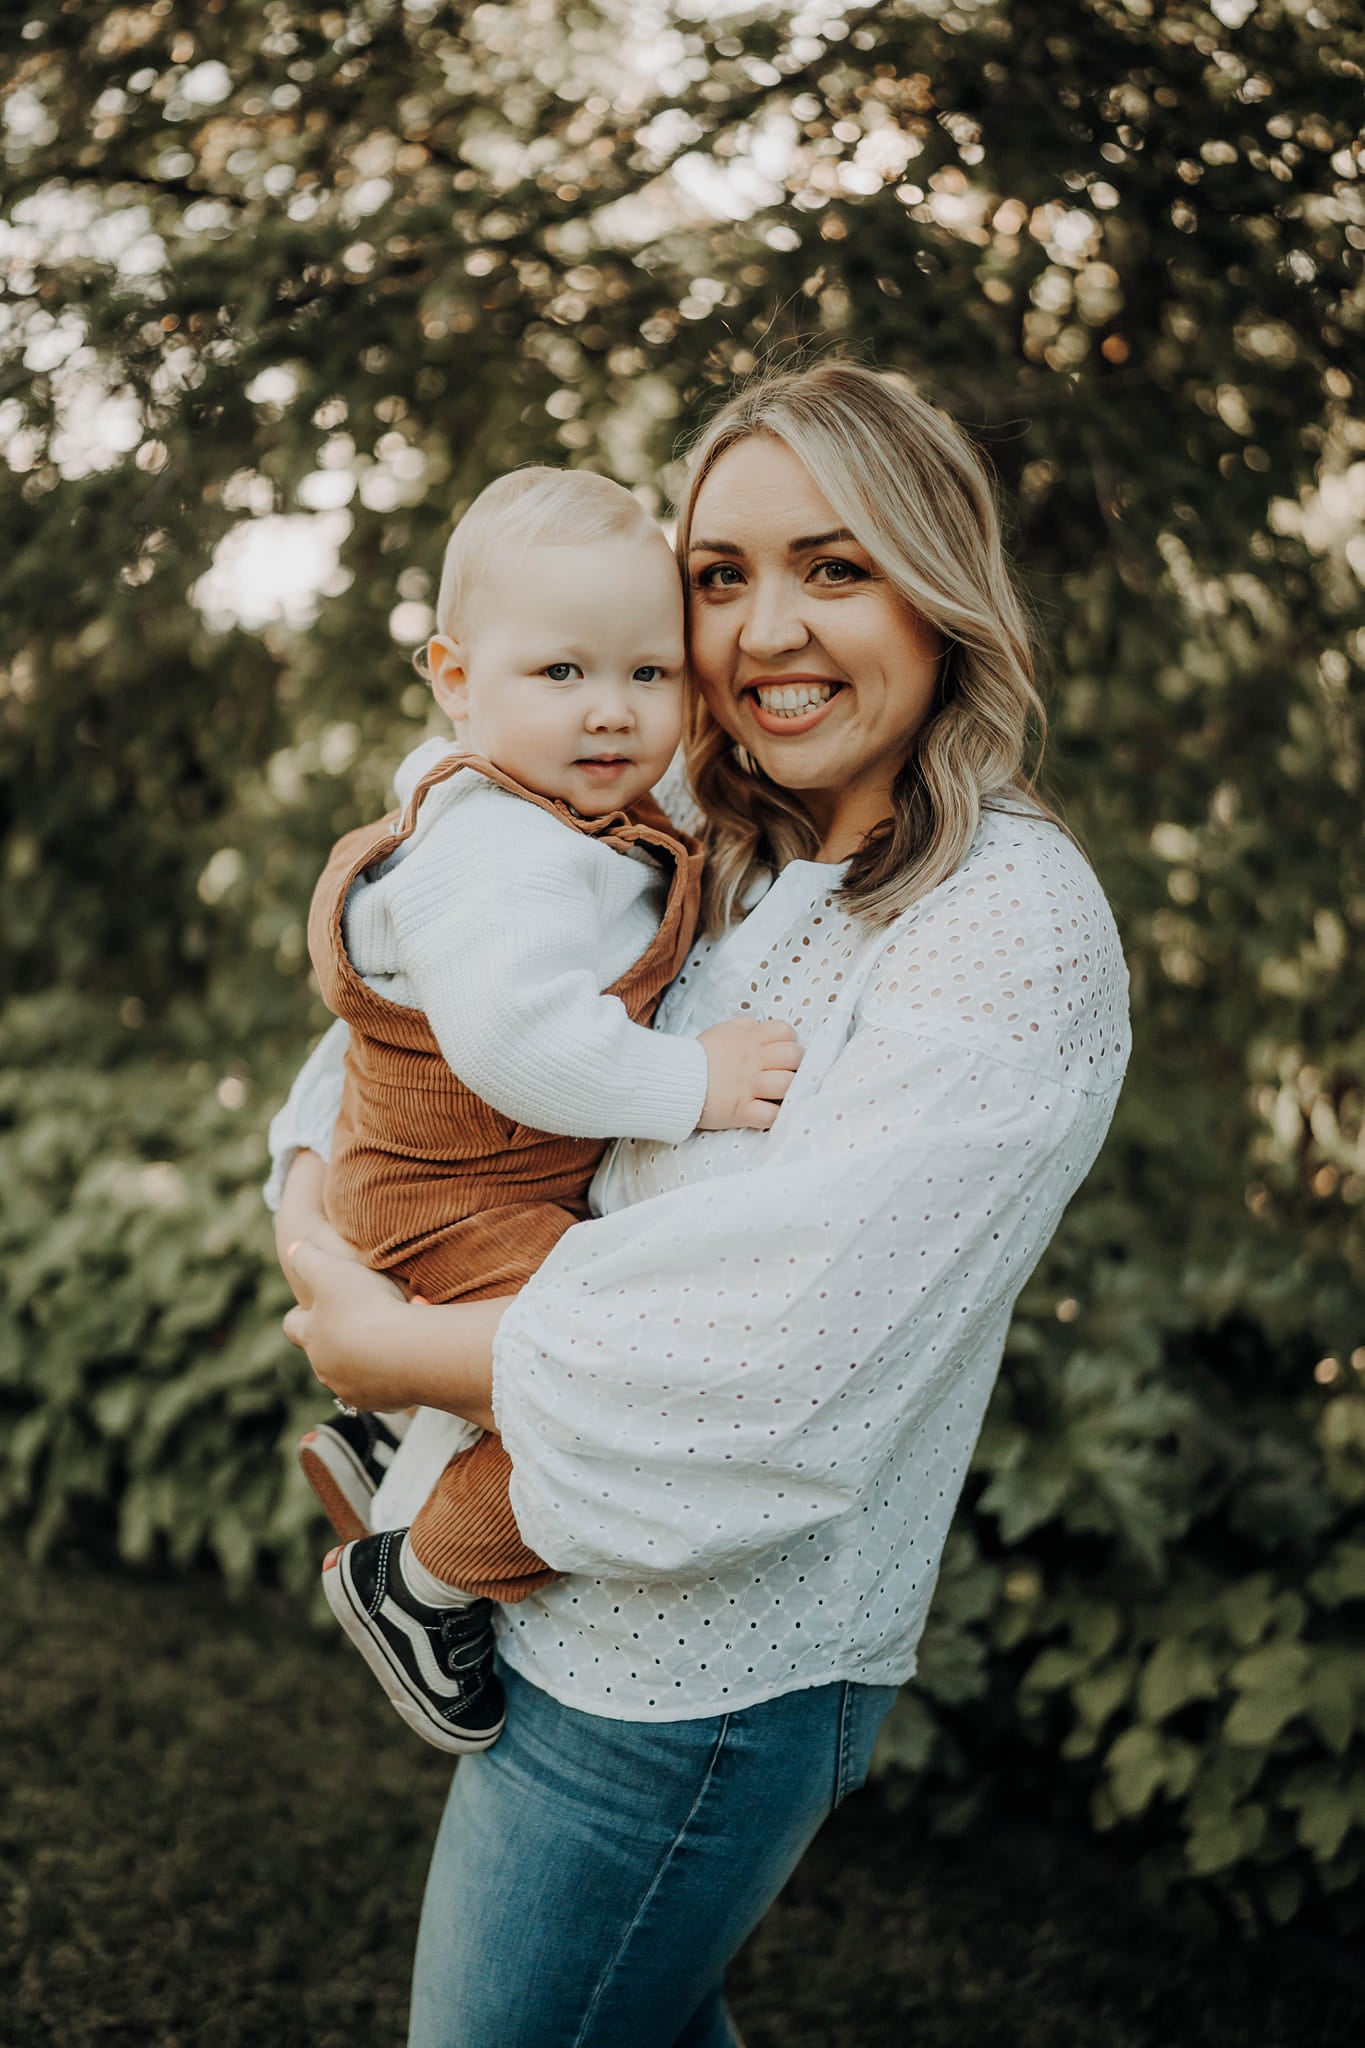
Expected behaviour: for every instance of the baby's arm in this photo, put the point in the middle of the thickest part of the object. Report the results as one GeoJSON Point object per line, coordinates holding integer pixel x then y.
{"type": "Point", "coordinates": [498, 945]}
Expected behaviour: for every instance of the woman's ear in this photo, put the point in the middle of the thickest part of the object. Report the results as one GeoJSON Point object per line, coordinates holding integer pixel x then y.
{"type": "Point", "coordinates": [449, 683]}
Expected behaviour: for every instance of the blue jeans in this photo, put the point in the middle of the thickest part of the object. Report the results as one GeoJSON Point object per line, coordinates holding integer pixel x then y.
{"type": "Point", "coordinates": [592, 1878]}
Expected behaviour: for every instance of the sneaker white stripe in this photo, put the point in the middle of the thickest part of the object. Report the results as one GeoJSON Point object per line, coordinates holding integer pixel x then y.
{"type": "Point", "coordinates": [432, 1676]}
{"type": "Point", "coordinates": [405, 1696]}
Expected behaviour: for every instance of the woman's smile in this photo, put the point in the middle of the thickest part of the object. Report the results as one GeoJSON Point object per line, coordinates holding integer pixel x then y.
{"type": "Point", "coordinates": [790, 704]}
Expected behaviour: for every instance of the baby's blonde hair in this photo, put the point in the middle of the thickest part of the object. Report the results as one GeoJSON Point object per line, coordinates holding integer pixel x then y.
{"type": "Point", "coordinates": [533, 507]}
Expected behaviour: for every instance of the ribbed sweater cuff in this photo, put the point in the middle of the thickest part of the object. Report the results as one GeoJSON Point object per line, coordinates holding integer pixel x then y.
{"type": "Point", "coordinates": [669, 1092]}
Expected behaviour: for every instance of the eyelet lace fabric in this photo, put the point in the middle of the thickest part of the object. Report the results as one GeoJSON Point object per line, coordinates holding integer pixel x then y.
{"type": "Point", "coordinates": [741, 1401]}
{"type": "Point", "coordinates": [741, 1404]}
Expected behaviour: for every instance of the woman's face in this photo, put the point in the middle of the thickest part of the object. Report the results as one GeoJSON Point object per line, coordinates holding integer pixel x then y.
{"type": "Point", "coordinates": [801, 648]}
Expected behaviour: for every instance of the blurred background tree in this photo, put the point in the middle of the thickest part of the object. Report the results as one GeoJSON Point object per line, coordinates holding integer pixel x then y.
{"type": "Point", "coordinates": [284, 285]}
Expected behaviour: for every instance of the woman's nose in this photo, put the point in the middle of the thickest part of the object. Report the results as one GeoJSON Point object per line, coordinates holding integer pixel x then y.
{"type": "Point", "coordinates": [771, 622]}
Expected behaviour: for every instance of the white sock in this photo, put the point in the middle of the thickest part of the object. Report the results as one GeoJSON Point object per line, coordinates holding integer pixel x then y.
{"type": "Point", "coordinates": [424, 1585]}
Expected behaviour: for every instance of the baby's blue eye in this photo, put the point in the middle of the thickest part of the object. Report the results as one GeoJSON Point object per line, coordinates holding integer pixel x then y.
{"type": "Point", "coordinates": [560, 671]}
{"type": "Point", "coordinates": [650, 672]}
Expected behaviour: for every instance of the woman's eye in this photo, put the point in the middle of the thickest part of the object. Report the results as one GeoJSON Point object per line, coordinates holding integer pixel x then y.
{"type": "Point", "coordinates": [841, 571]}
{"type": "Point", "coordinates": [717, 575]}
{"type": "Point", "coordinates": [561, 671]}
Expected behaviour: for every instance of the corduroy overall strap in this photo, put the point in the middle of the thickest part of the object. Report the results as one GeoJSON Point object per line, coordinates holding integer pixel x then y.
{"type": "Point", "coordinates": [347, 995]}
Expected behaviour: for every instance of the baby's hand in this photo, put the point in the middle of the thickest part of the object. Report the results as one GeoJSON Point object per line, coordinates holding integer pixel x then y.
{"type": "Point", "coordinates": [749, 1066]}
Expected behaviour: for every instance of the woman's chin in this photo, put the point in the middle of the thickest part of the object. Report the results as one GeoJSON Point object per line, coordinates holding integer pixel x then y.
{"type": "Point", "coordinates": [799, 769]}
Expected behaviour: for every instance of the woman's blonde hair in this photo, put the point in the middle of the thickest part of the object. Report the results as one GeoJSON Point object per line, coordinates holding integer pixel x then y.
{"type": "Point", "coordinates": [909, 485]}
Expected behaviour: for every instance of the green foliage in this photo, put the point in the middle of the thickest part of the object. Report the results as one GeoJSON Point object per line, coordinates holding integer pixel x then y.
{"type": "Point", "coordinates": [1160, 1587]}
{"type": "Point", "coordinates": [361, 258]}
{"type": "Point", "coordinates": [1161, 1591]}
{"type": "Point", "coordinates": [147, 1394]}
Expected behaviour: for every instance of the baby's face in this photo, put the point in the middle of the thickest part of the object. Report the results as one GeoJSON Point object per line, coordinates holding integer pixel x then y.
{"type": "Point", "coordinates": [569, 672]}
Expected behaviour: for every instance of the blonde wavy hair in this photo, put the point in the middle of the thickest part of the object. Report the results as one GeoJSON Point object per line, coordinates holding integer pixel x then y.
{"type": "Point", "coordinates": [913, 490]}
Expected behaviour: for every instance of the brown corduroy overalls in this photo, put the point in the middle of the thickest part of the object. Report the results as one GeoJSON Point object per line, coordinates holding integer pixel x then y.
{"type": "Point", "coordinates": [434, 1186]}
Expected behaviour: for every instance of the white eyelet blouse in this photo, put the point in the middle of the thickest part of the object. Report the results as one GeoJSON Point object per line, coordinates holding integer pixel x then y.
{"type": "Point", "coordinates": [741, 1400]}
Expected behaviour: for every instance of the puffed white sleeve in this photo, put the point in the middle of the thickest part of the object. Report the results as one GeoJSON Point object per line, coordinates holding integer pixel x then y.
{"type": "Point", "coordinates": [724, 1365]}
{"type": "Point", "coordinates": [499, 956]}
{"type": "Point", "coordinates": [306, 1121]}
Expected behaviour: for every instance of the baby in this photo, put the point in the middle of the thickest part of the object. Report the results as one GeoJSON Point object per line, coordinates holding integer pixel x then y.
{"type": "Point", "coordinates": [497, 951]}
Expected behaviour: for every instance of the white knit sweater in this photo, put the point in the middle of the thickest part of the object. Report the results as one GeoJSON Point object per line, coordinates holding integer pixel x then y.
{"type": "Point", "coordinates": [503, 926]}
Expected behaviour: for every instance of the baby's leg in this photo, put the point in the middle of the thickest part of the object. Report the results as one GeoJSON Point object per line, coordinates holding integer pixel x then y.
{"type": "Point", "coordinates": [434, 1661]}
{"type": "Point", "coordinates": [417, 1603]}
{"type": "Point", "coordinates": [344, 1459]}
{"type": "Point", "coordinates": [466, 1536]}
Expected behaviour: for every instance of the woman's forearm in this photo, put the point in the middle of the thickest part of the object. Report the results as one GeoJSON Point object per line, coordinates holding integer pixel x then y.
{"type": "Point", "coordinates": [446, 1356]}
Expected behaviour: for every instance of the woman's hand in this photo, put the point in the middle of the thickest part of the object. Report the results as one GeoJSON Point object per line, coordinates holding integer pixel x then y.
{"type": "Point", "coordinates": [373, 1348]}
{"type": "Point", "coordinates": [349, 1322]}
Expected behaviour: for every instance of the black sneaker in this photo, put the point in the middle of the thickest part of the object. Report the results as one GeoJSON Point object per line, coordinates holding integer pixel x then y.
{"type": "Point", "coordinates": [343, 1460]}
{"type": "Point", "coordinates": [435, 1663]}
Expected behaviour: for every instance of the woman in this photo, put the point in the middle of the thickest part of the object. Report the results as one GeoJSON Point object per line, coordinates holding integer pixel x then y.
{"type": "Point", "coordinates": [741, 1401]}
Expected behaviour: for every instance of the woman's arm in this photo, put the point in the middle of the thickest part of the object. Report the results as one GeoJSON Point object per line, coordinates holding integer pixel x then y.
{"type": "Point", "coordinates": [726, 1367]}
{"type": "Point", "coordinates": [305, 1122]}
{"type": "Point", "coordinates": [301, 1214]}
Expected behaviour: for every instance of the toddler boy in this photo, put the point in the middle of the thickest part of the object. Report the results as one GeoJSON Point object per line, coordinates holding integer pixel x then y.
{"type": "Point", "coordinates": [497, 950]}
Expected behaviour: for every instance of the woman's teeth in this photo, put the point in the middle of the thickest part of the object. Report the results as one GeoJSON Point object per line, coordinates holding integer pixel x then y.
{"type": "Point", "coordinates": [792, 699]}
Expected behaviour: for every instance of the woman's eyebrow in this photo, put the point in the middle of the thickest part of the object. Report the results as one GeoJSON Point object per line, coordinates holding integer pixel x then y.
{"type": "Point", "coordinates": [820, 540]}
{"type": "Point", "coordinates": [804, 546]}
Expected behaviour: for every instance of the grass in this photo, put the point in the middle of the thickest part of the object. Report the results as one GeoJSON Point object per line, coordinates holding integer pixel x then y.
{"type": "Point", "coordinates": [213, 1835]}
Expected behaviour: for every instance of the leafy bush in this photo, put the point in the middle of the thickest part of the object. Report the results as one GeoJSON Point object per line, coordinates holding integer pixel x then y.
{"type": "Point", "coordinates": [147, 1392]}
{"type": "Point", "coordinates": [1217, 1718]}
{"type": "Point", "coordinates": [1157, 1594]}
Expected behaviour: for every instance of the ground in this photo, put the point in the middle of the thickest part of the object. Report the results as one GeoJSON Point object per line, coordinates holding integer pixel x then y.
{"type": "Point", "coordinates": [213, 1833]}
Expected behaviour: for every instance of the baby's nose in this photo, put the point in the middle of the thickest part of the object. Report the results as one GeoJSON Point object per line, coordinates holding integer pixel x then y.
{"type": "Point", "coordinates": [612, 711]}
